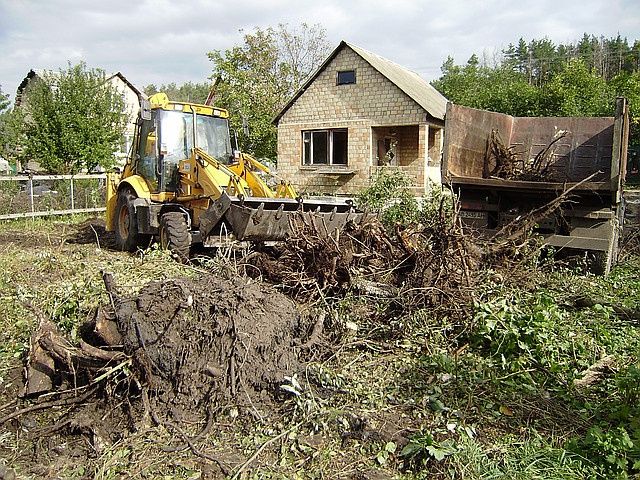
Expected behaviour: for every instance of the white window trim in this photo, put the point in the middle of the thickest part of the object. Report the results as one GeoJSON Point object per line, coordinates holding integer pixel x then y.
{"type": "Point", "coordinates": [329, 132]}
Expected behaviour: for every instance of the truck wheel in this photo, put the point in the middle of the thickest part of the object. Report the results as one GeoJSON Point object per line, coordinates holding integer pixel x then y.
{"type": "Point", "coordinates": [127, 236]}
{"type": "Point", "coordinates": [174, 235]}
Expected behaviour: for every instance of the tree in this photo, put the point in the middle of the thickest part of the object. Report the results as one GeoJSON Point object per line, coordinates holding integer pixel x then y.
{"type": "Point", "coordinates": [628, 85]}
{"type": "Point", "coordinates": [72, 120]}
{"type": "Point", "coordinates": [258, 77]}
{"type": "Point", "coordinates": [151, 89]}
{"type": "Point", "coordinates": [187, 92]}
{"type": "Point", "coordinates": [577, 91]}
{"type": "Point", "coordinates": [500, 89]}
{"type": "Point", "coordinates": [537, 78]}
{"type": "Point", "coordinates": [543, 59]}
{"type": "Point", "coordinates": [302, 49]}
{"type": "Point", "coordinates": [10, 129]}
{"type": "Point", "coordinates": [4, 101]}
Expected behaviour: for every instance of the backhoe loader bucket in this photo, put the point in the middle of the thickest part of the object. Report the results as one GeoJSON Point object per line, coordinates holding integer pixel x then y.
{"type": "Point", "coordinates": [267, 219]}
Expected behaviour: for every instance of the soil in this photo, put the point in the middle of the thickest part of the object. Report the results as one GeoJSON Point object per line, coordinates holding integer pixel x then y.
{"type": "Point", "coordinates": [91, 231]}
{"type": "Point", "coordinates": [195, 345]}
{"type": "Point", "coordinates": [195, 342]}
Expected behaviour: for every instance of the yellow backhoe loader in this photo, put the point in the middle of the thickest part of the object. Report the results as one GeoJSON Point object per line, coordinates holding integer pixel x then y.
{"type": "Point", "coordinates": [184, 184]}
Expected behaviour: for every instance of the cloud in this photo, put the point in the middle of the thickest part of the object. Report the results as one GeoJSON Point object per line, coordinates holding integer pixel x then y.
{"type": "Point", "coordinates": [162, 41]}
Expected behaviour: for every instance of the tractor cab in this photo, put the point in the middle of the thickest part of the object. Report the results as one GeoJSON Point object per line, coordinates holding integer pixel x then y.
{"type": "Point", "coordinates": [169, 135]}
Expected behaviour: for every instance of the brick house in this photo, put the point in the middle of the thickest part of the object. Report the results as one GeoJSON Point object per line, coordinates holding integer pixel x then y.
{"type": "Point", "coordinates": [357, 114]}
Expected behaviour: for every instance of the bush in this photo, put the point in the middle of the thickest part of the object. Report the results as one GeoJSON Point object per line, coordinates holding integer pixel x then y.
{"type": "Point", "coordinates": [390, 196]}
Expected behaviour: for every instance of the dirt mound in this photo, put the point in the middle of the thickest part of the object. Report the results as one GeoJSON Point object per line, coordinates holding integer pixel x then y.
{"type": "Point", "coordinates": [177, 350]}
{"type": "Point", "coordinates": [177, 353]}
{"type": "Point", "coordinates": [196, 341]}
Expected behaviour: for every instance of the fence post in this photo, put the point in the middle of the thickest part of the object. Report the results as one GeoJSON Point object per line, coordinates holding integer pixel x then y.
{"type": "Point", "coordinates": [31, 192]}
{"type": "Point", "coordinates": [72, 202]}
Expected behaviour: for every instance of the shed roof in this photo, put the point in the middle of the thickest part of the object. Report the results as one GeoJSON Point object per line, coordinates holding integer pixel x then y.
{"type": "Point", "coordinates": [409, 82]}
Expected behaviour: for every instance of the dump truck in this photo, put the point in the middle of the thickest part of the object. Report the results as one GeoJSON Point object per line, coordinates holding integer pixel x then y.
{"type": "Point", "coordinates": [185, 183]}
{"type": "Point", "coordinates": [582, 158]}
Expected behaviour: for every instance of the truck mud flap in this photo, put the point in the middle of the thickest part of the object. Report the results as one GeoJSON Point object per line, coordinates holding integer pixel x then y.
{"type": "Point", "coordinates": [275, 219]}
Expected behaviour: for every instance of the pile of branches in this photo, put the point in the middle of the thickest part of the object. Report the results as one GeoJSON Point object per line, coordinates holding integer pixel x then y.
{"type": "Point", "coordinates": [444, 265]}
{"type": "Point", "coordinates": [414, 267]}
{"type": "Point", "coordinates": [503, 162]}
{"type": "Point", "coordinates": [434, 265]}
{"type": "Point", "coordinates": [500, 161]}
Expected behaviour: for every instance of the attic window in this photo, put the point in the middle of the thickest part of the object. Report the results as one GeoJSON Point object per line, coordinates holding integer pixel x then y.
{"type": "Point", "coordinates": [346, 77]}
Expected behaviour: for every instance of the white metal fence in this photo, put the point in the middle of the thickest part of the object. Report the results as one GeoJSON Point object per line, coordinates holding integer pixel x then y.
{"type": "Point", "coordinates": [28, 196]}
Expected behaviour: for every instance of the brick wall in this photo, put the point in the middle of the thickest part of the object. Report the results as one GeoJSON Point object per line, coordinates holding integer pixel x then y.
{"type": "Point", "coordinates": [373, 101]}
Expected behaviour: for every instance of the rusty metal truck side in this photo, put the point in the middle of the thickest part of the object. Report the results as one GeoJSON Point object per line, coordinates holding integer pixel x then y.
{"type": "Point", "coordinates": [590, 157]}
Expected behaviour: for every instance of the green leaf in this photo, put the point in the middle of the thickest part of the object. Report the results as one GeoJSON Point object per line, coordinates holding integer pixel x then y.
{"type": "Point", "coordinates": [382, 457]}
{"type": "Point", "coordinates": [410, 449]}
{"type": "Point", "coordinates": [436, 405]}
{"type": "Point", "coordinates": [436, 452]}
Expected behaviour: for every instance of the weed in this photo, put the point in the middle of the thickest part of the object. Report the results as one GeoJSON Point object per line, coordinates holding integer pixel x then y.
{"type": "Point", "coordinates": [389, 195]}
{"type": "Point", "coordinates": [628, 383]}
{"type": "Point", "coordinates": [422, 447]}
{"type": "Point", "coordinates": [613, 451]}
{"type": "Point", "coordinates": [529, 335]}
{"type": "Point", "coordinates": [517, 459]}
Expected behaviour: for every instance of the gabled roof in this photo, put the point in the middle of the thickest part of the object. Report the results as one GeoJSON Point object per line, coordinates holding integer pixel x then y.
{"type": "Point", "coordinates": [412, 84]}
{"type": "Point", "coordinates": [25, 81]}
{"type": "Point", "coordinates": [41, 73]}
{"type": "Point", "coordinates": [135, 89]}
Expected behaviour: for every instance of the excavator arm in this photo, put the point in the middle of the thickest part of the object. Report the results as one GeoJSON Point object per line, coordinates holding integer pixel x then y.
{"type": "Point", "coordinates": [249, 169]}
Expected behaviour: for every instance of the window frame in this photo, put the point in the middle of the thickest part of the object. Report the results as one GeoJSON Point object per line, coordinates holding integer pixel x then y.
{"type": "Point", "coordinates": [338, 82]}
{"type": "Point", "coordinates": [330, 143]}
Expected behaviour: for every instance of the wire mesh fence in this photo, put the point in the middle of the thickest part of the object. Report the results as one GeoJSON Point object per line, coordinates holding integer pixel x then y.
{"type": "Point", "coordinates": [24, 196]}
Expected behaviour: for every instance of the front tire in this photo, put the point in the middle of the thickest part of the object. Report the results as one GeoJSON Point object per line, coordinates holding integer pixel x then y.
{"type": "Point", "coordinates": [174, 235]}
{"type": "Point", "coordinates": [127, 236]}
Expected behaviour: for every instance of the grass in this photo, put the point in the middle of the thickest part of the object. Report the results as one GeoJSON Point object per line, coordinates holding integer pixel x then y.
{"type": "Point", "coordinates": [494, 401]}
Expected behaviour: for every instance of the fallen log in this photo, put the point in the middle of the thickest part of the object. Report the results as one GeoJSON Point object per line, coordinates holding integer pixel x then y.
{"type": "Point", "coordinates": [595, 373]}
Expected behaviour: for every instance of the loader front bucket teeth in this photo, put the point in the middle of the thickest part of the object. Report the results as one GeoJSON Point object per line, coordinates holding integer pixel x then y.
{"type": "Point", "coordinates": [268, 219]}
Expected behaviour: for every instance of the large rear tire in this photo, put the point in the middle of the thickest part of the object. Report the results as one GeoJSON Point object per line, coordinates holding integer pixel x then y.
{"type": "Point", "coordinates": [175, 236]}
{"type": "Point", "coordinates": [127, 236]}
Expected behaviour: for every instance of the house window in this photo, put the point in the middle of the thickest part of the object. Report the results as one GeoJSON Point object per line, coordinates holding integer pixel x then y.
{"type": "Point", "coordinates": [324, 147]}
{"type": "Point", "coordinates": [346, 77]}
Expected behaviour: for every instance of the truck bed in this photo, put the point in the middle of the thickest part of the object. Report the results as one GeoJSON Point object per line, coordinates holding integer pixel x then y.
{"type": "Point", "coordinates": [587, 149]}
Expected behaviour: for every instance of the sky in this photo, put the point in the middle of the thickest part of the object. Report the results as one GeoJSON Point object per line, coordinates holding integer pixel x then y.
{"type": "Point", "coordinates": [162, 41]}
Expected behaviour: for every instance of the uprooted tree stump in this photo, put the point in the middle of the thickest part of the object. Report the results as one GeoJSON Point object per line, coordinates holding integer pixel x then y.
{"type": "Point", "coordinates": [178, 349]}
{"type": "Point", "coordinates": [422, 266]}
{"type": "Point", "coordinates": [193, 341]}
